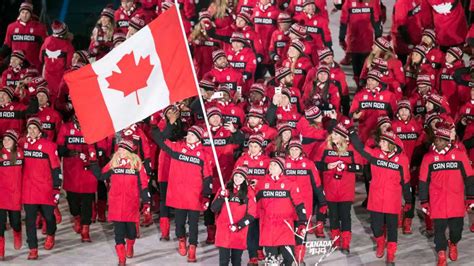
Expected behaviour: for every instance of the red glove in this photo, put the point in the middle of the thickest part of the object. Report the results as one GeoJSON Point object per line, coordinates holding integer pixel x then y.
{"type": "Point", "coordinates": [425, 207]}
{"type": "Point", "coordinates": [224, 193]}
{"type": "Point", "coordinates": [56, 195]}
{"type": "Point", "coordinates": [323, 209]}
{"type": "Point", "coordinates": [301, 230]}
{"type": "Point", "coordinates": [469, 205]}
{"type": "Point", "coordinates": [407, 207]}
{"type": "Point", "coordinates": [205, 203]}
{"type": "Point", "coordinates": [147, 217]}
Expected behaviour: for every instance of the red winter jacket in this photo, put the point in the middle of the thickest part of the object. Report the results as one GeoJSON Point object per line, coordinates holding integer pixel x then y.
{"type": "Point", "coordinates": [372, 106]}
{"type": "Point", "coordinates": [390, 177]}
{"type": "Point", "coordinates": [257, 166]}
{"type": "Point", "coordinates": [296, 7]}
{"type": "Point", "coordinates": [453, 19]}
{"type": "Point", "coordinates": [410, 132]}
{"type": "Point", "coordinates": [254, 39]}
{"type": "Point", "coordinates": [360, 20]}
{"type": "Point", "coordinates": [278, 45]}
{"type": "Point", "coordinates": [10, 176]}
{"type": "Point", "coordinates": [77, 176]}
{"type": "Point", "coordinates": [295, 99]}
{"type": "Point", "coordinates": [312, 136]}
{"type": "Point", "coordinates": [41, 172]}
{"type": "Point", "coordinates": [445, 181]}
{"type": "Point", "coordinates": [122, 17]}
{"type": "Point", "coordinates": [56, 56]}
{"type": "Point", "coordinates": [315, 96]}
{"type": "Point", "coordinates": [448, 87]}
{"type": "Point", "coordinates": [227, 76]}
{"type": "Point", "coordinates": [306, 177]}
{"type": "Point", "coordinates": [317, 27]}
{"type": "Point", "coordinates": [225, 144]}
{"type": "Point", "coordinates": [51, 122]}
{"type": "Point", "coordinates": [268, 133]}
{"type": "Point", "coordinates": [27, 37]}
{"type": "Point", "coordinates": [338, 189]}
{"type": "Point", "coordinates": [202, 55]}
{"type": "Point", "coordinates": [288, 114]}
{"type": "Point", "coordinates": [12, 115]}
{"type": "Point", "coordinates": [277, 202]}
{"type": "Point", "coordinates": [245, 5]}
{"type": "Point", "coordinates": [300, 69]}
{"type": "Point", "coordinates": [190, 171]}
{"type": "Point", "coordinates": [243, 212]}
{"type": "Point", "coordinates": [11, 78]}
{"type": "Point", "coordinates": [265, 21]}
{"type": "Point", "coordinates": [409, 19]}
{"type": "Point", "coordinates": [127, 185]}
{"type": "Point", "coordinates": [245, 62]}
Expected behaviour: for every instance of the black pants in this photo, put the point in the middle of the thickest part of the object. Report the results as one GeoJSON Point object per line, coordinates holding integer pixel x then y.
{"type": "Point", "coordinates": [253, 238]}
{"type": "Point", "coordinates": [193, 218]}
{"type": "Point", "coordinates": [31, 211]}
{"type": "Point", "coordinates": [101, 191]}
{"type": "Point", "coordinates": [209, 216]}
{"type": "Point", "coordinates": [340, 215]}
{"type": "Point", "coordinates": [455, 231]}
{"type": "Point", "coordinates": [411, 213]}
{"type": "Point", "coordinates": [233, 256]}
{"type": "Point", "coordinates": [274, 251]}
{"type": "Point", "coordinates": [358, 63]}
{"type": "Point", "coordinates": [15, 221]}
{"type": "Point", "coordinates": [124, 230]}
{"type": "Point", "coordinates": [164, 210]}
{"type": "Point", "coordinates": [378, 220]}
{"type": "Point", "coordinates": [81, 204]}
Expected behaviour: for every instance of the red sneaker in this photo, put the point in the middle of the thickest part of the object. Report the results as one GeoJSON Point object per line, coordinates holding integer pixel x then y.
{"type": "Point", "coordinates": [49, 242]}
{"type": "Point", "coordinates": [192, 253]}
{"type": "Point", "coordinates": [33, 255]}
{"type": "Point", "coordinates": [182, 249]}
{"type": "Point", "coordinates": [453, 251]}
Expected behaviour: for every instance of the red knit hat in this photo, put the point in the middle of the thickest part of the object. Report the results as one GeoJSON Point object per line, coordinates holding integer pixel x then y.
{"type": "Point", "coordinates": [404, 104]}
{"type": "Point", "coordinates": [456, 52]}
{"type": "Point", "coordinates": [383, 44]}
{"type": "Point", "coordinates": [380, 64]}
{"type": "Point", "coordinates": [9, 91]}
{"type": "Point", "coordinates": [217, 54]}
{"type": "Point", "coordinates": [213, 111]}
{"type": "Point", "coordinates": [374, 74]}
{"type": "Point", "coordinates": [137, 22]}
{"type": "Point", "coordinates": [18, 54]}
{"type": "Point", "coordinates": [298, 45]}
{"type": "Point", "coordinates": [284, 17]}
{"type": "Point", "coordinates": [59, 28]}
{"type": "Point", "coordinates": [295, 143]}
{"type": "Point", "coordinates": [282, 72]}
{"type": "Point", "coordinates": [341, 130]}
{"type": "Point", "coordinates": [31, 72]}
{"type": "Point", "coordinates": [238, 37]}
{"type": "Point", "coordinates": [323, 68]}
{"type": "Point", "coordinates": [312, 113]}
{"type": "Point", "coordinates": [127, 144]}
{"type": "Point", "coordinates": [258, 87]}
{"type": "Point", "coordinates": [36, 122]}
{"type": "Point", "coordinates": [279, 161]}
{"type": "Point", "coordinates": [242, 170]}
{"type": "Point", "coordinates": [256, 138]}
{"type": "Point", "coordinates": [26, 6]}
{"type": "Point", "coordinates": [37, 82]}
{"type": "Point", "coordinates": [207, 85]}
{"type": "Point", "coordinates": [443, 133]}
{"type": "Point", "coordinates": [246, 17]}
{"type": "Point", "coordinates": [118, 37]}
{"type": "Point", "coordinates": [11, 134]}
{"type": "Point", "coordinates": [108, 11]}
{"type": "Point", "coordinates": [420, 49]}
{"type": "Point", "coordinates": [281, 127]}
{"type": "Point", "coordinates": [256, 112]}
{"type": "Point", "coordinates": [197, 131]}
{"type": "Point", "coordinates": [84, 55]}
{"type": "Point", "coordinates": [323, 53]}
{"type": "Point", "coordinates": [308, 2]}
{"type": "Point", "coordinates": [430, 33]}
{"type": "Point", "coordinates": [44, 90]}
{"type": "Point", "coordinates": [382, 120]}
{"type": "Point", "coordinates": [203, 15]}
{"type": "Point", "coordinates": [423, 79]}
{"type": "Point", "coordinates": [298, 30]}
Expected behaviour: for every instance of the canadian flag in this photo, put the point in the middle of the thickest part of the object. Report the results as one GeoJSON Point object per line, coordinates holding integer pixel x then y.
{"type": "Point", "coordinates": [141, 76]}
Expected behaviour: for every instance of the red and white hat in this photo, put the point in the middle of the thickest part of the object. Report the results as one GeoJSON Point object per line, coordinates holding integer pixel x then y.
{"type": "Point", "coordinates": [282, 72]}
{"type": "Point", "coordinates": [421, 50]}
{"type": "Point", "coordinates": [374, 74]}
{"type": "Point", "coordinates": [323, 53]}
{"type": "Point", "coordinates": [380, 64]}
{"type": "Point", "coordinates": [44, 90]}
{"type": "Point", "coordinates": [217, 54]}
{"type": "Point", "coordinates": [312, 113]}
{"type": "Point", "coordinates": [281, 127]}
{"type": "Point", "coordinates": [59, 28]}
{"type": "Point", "coordinates": [137, 22]}
{"type": "Point", "coordinates": [118, 37]}
{"type": "Point", "coordinates": [382, 120]}
{"type": "Point", "coordinates": [246, 17]}
{"type": "Point", "coordinates": [430, 33]}
{"type": "Point", "coordinates": [383, 44]}
{"type": "Point", "coordinates": [284, 17]}
{"type": "Point", "coordinates": [26, 6]}
{"type": "Point", "coordinates": [35, 121]}
{"type": "Point", "coordinates": [256, 138]}
{"type": "Point", "coordinates": [298, 30]}
{"type": "Point", "coordinates": [11, 134]}
{"type": "Point", "coordinates": [241, 170]}
{"type": "Point", "coordinates": [205, 15]}
{"type": "Point", "coordinates": [213, 111]}
{"type": "Point", "coordinates": [84, 55]}
{"type": "Point", "coordinates": [341, 130]}
{"type": "Point", "coordinates": [323, 69]}
{"type": "Point", "coordinates": [279, 161]}
{"type": "Point", "coordinates": [443, 133]}
{"type": "Point", "coordinates": [108, 11]}
{"type": "Point", "coordinates": [404, 104]}
{"type": "Point", "coordinates": [238, 37]}
{"type": "Point", "coordinates": [256, 112]}
{"type": "Point", "coordinates": [423, 79]}
{"type": "Point", "coordinates": [456, 52]}
{"type": "Point", "coordinates": [127, 144]}
{"type": "Point", "coordinates": [9, 91]}
{"type": "Point", "coordinates": [197, 131]}
{"type": "Point", "coordinates": [18, 54]}
{"type": "Point", "coordinates": [257, 87]}
{"type": "Point", "coordinates": [298, 45]}
{"type": "Point", "coordinates": [295, 143]}
{"type": "Point", "coordinates": [207, 85]}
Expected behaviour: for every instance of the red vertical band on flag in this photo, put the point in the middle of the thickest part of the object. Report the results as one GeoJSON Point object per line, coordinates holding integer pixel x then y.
{"type": "Point", "coordinates": [172, 51]}
{"type": "Point", "coordinates": [85, 92]}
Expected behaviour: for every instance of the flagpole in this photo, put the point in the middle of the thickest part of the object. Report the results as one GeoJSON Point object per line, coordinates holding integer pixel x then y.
{"type": "Point", "coordinates": [214, 153]}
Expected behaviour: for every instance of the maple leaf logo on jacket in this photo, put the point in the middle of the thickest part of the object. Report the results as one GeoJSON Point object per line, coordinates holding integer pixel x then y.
{"type": "Point", "coordinates": [132, 76]}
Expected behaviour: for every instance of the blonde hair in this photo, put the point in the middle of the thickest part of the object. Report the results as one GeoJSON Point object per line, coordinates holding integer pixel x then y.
{"type": "Point", "coordinates": [135, 161]}
{"type": "Point", "coordinates": [197, 33]}
{"type": "Point", "coordinates": [340, 149]}
{"type": "Point", "coordinates": [218, 8]}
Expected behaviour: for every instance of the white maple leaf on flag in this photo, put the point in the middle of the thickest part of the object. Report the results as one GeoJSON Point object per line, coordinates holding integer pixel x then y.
{"type": "Point", "coordinates": [443, 9]}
